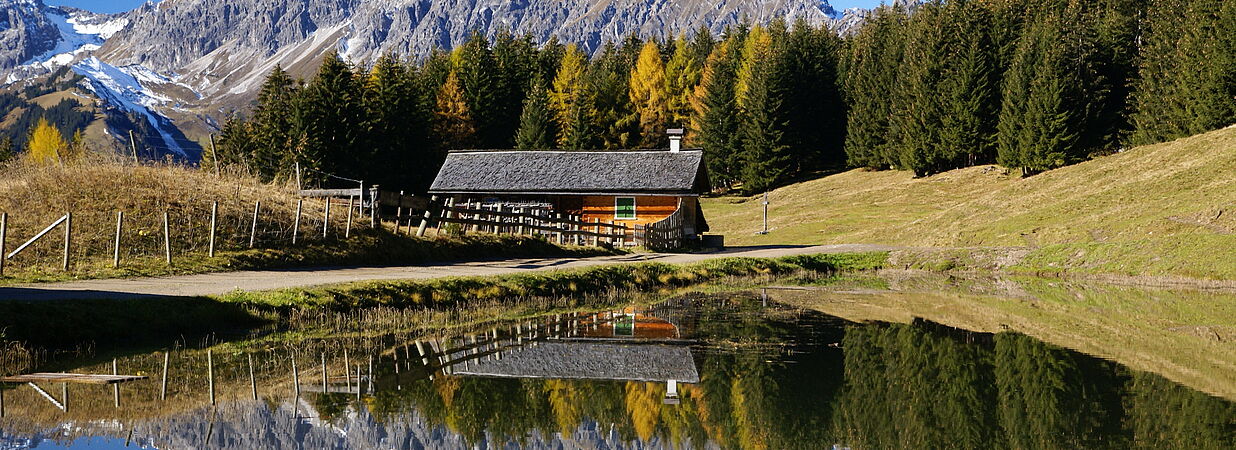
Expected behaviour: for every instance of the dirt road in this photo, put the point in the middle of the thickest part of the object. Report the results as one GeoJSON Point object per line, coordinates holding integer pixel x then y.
{"type": "Point", "coordinates": [222, 283]}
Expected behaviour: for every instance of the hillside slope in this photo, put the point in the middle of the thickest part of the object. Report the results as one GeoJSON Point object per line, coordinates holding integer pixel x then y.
{"type": "Point", "coordinates": [1166, 196]}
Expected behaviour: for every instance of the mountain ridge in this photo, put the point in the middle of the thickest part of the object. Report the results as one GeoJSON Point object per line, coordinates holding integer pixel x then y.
{"type": "Point", "coordinates": [193, 62]}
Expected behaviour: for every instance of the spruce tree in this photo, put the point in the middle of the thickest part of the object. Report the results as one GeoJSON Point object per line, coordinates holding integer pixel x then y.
{"type": "Point", "coordinates": [608, 78]}
{"type": "Point", "coordinates": [536, 123]}
{"type": "Point", "coordinates": [485, 89]}
{"type": "Point", "coordinates": [398, 126]}
{"type": "Point", "coordinates": [872, 64]}
{"type": "Point", "coordinates": [765, 156]}
{"type": "Point", "coordinates": [813, 111]}
{"type": "Point", "coordinates": [1187, 81]}
{"type": "Point", "coordinates": [715, 119]}
{"type": "Point", "coordinates": [274, 127]}
{"type": "Point", "coordinates": [332, 112]}
{"type": "Point", "coordinates": [968, 88]}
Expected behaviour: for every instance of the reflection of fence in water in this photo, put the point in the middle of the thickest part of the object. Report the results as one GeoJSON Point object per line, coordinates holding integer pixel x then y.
{"type": "Point", "coordinates": [180, 380]}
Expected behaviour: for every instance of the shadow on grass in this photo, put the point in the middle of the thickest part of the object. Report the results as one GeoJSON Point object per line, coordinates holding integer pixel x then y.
{"type": "Point", "coordinates": [65, 324]}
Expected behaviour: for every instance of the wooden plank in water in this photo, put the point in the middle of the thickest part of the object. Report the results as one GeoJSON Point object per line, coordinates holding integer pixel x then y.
{"type": "Point", "coordinates": [46, 377]}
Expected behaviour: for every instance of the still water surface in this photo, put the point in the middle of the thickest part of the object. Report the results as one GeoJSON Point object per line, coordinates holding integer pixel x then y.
{"type": "Point", "coordinates": [733, 371]}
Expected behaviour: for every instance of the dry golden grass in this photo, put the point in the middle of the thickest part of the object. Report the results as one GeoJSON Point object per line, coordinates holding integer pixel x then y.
{"type": "Point", "coordinates": [1184, 191]}
{"type": "Point", "coordinates": [94, 191]}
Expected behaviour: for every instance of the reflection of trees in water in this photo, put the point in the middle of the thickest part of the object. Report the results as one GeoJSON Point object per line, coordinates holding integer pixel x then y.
{"type": "Point", "coordinates": [915, 385]}
{"type": "Point", "coordinates": [928, 386]}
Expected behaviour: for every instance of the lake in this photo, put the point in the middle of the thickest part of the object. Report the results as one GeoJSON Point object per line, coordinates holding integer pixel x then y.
{"type": "Point", "coordinates": [771, 368]}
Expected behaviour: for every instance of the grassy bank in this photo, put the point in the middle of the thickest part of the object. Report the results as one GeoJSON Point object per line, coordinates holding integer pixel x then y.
{"type": "Point", "coordinates": [68, 323]}
{"type": "Point", "coordinates": [1164, 209]}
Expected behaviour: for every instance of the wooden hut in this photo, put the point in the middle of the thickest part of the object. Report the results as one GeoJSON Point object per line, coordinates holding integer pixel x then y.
{"type": "Point", "coordinates": [628, 187]}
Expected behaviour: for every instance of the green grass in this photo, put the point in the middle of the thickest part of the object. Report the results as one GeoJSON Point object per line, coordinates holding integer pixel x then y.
{"type": "Point", "coordinates": [593, 280]}
{"type": "Point", "coordinates": [1176, 201]}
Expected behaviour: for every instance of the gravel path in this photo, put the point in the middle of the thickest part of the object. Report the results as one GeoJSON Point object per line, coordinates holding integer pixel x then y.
{"type": "Point", "coordinates": [221, 283]}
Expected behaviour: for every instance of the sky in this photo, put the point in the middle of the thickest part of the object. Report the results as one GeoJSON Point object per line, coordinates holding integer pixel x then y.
{"type": "Point", "coordinates": [99, 6]}
{"type": "Point", "coordinates": [842, 5]}
{"type": "Point", "coordinates": [112, 6]}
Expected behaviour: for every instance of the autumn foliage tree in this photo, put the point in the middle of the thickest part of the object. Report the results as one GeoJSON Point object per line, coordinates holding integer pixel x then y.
{"type": "Point", "coordinates": [46, 145]}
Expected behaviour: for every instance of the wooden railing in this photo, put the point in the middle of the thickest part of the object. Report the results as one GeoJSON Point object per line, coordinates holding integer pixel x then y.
{"type": "Point", "coordinates": [665, 234]}
{"type": "Point", "coordinates": [536, 221]}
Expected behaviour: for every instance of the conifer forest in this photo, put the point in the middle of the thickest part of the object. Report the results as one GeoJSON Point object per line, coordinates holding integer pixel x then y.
{"type": "Point", "coordinates": [1030, 85]}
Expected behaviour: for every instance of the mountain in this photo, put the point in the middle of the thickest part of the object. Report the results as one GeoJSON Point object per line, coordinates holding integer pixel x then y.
{"type": "Point", "coordinates": [191, 62]}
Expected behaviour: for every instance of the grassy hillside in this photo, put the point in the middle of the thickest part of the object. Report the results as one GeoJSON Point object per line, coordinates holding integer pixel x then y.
{"type": "Point", "coordinates": [1165, 209]}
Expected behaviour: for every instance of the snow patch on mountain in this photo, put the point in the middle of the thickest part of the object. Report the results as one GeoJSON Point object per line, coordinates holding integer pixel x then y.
{"type": "Point", "coordinates": [122, 87]}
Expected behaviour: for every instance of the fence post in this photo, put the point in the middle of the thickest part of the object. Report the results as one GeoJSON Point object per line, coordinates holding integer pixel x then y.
{"type": "Point", "coordinates": [116, 249]}
{"type": "Point", "coordinates": [347, 229]}
{"type": "Point", "coordinates": [210, 375]}
{"type": "Point", "coordinates": [4, 234]}
{"type": "Point", "coordinates": [374, 208]}
{"type": "Point", "coordinates": [296, 222]}
{"type": "Point", "coordinates": [399, 212]}
{"type": "Point", "coordinates": [214, 214]}
{"type": "Point", "coordinates": [167, 238]}
{"type": "Point", "coordinates": [420, 231]}
{"type": "Point", "coordinates": [558, 226]}
{"type": "Point", "coordinates": [326, 219]}
{"type": "Point", "coordinates": [68, 238]}
{"type": "Point", "coordinates": [253, 228]}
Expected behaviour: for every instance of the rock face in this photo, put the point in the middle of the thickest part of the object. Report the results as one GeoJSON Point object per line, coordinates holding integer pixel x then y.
{"type": "Point", "coordinates": [195, 60]}
{"type": "Point", "coordinates": [25, 32]}
{"type": "Point", "coordinates": [176, 32]}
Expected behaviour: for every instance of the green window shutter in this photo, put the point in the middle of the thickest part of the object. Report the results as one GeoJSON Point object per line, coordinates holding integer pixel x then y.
{"type": "Point", "coordinates": [624, 208]}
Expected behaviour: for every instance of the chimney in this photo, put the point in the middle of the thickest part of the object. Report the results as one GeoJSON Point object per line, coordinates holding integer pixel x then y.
{"type": "Point", "coordinates": [675, 137]}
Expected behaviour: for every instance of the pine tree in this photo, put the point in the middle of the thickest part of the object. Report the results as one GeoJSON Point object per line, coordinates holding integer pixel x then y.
{"type": "Point", "coordinates": [274, 128]}
{"type": "Point", "coordinates": [813, 111]}
{"type": "Point", "coordinates": [872, 69]}
{"type": "Point", "coordinates": [397, 127]}
{"type": "Point", "coordinates": [715, 119]}
{"type": "Point", "coordinates": [332, 111]}
{"type": "Point", "coordinates": [46, 145]}
{"type": "Point", "coordinates": [682, 75]}
{"type": "Point", "coordinates": [486, 92]}
{"type": "Point", "coordinates": [453, 123]}
{"type": "Point", "coordinates": [536, 123]}
{"type": "Point", "coordinates": [649, 96]}
{"type": "Point", "coordinates": [917, 110]}
{"type": "Point", "coordinates": [1187, 81]}
{"type": "Point", "coordinates": [765, 156]}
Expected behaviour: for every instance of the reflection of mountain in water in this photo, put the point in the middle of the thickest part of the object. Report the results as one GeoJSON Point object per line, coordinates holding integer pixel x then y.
{"type": "Point", "coordinates": [253, 425]}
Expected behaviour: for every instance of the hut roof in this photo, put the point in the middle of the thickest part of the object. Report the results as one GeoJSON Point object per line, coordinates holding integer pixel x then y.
{"type": "Point", "coordinates": [572, 172]}
{"type": "Point", "coordinates": [591, 360]}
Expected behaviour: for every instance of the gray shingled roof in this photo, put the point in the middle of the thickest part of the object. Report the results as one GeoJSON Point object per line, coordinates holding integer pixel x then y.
{"type": "Point", "coordinates": [590, 360]}
{"type": "Point", "coordinates": [544, 172]}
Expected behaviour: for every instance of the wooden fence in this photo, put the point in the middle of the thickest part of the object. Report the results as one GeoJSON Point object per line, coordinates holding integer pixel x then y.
{"type": "Point", "coordinates": [533, 221]}
{"type": "Point", "coordinates": [667, 234]}
{"type": "Point", "coordinates": [199, 229]}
